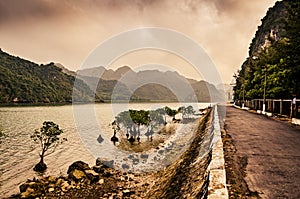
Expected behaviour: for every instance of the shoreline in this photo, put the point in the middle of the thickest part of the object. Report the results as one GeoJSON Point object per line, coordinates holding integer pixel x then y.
{"type": "Point", "coordinates": [83, 103]}
{"type": "Point", "coordinates": [112, 183]}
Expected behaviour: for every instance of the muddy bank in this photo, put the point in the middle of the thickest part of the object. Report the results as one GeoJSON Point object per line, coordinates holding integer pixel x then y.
{"type": "Point", "coordinates": [186, 177]}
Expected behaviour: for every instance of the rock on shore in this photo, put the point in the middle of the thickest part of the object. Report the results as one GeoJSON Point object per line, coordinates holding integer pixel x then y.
{"type": "Point", "coordinates": [83, 181]}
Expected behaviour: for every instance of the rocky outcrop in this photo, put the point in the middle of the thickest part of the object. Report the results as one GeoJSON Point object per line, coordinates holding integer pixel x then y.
{"type": "Point", "coordinates": [79, 175]}
{"type": "Point", "coordinates": [39, 187]}
{"type": "Point", "coordinates": [78, 165]}
{"type": "Point", "coordinates": [84, 181]}
{"type": "Point", "coordinates": [104, 162]}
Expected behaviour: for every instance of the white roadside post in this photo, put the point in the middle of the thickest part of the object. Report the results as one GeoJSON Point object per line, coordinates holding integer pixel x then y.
{"type": "Point", "coordinates": [265, 87]}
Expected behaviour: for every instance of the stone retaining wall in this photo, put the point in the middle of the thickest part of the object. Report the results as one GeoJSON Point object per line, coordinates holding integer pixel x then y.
{"type": "Point", "coordinates": [217, 175]}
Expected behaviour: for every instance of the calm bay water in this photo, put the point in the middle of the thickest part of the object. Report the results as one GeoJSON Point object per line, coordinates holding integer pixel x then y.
{"type": "Point", "coordinates": [19, 154]}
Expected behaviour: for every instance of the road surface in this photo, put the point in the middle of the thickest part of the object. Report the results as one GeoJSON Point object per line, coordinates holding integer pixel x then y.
{"type": "Point", "coordinates": [272, 150]}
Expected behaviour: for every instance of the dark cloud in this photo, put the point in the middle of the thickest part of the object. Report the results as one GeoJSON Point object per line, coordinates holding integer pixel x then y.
{"type": "Point", "coordinates": [11, 10]}
{"type": "Point", "coordinates": [225, 6]}
{"type": "Point", "coordinates": [20, 10]}
{"type": "Point", "coordinates": [119, 4]}
{"type": "Point", "coordinates": [218, 7]}
{"type": "Point", "coordinates": [66, 30]}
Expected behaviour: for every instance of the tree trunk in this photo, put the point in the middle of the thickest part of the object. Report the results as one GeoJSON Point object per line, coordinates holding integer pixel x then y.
{"type": "Point", "coordinates": [42, 159]}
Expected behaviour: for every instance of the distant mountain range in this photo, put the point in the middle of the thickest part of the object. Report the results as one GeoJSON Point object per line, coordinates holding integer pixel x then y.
{"type": "Point", "coordinates": [147, 85]}
{"type": "Point", "coordinates": [22, 81]}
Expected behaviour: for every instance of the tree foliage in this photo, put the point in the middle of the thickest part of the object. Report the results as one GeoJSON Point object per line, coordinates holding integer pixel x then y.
{"type": "Point", "coordinates": [186, 111]}
{"type": "Point", "coordinates": [170, 112]}
{"type": "Point", "coordinates": [124, 119]}
{"type": "Point", "coordinates": [48, 138]}
{"type": "Point", "coordinates": [132, 120]}
{"type": "Point", "coordinates": [140, 117]}
{"type": "Point", "coordinates": [157, 117]}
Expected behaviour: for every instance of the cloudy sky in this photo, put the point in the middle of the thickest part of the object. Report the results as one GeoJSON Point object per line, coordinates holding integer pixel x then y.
{"type": "Point", "coordinates": [67, 31]}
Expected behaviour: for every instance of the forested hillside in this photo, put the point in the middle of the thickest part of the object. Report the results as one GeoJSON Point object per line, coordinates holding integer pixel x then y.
{"type": "Point", "coordinates": [23, 81]}
{"type": "Point", "coordinates": [274, 56]}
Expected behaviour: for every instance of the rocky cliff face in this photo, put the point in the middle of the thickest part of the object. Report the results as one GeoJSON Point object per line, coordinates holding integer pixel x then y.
{"type": "Point", "coordinates": [272, 69]}
{"type": "Point", "coordinates": [271, 28]}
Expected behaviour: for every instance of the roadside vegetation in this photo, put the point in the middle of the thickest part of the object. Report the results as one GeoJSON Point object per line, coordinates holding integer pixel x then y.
{"type": "Point", "coordinates": [274, 60]}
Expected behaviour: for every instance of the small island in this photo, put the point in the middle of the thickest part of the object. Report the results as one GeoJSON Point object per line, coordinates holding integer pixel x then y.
{"type": "Point", "coordinates": [141, 130]}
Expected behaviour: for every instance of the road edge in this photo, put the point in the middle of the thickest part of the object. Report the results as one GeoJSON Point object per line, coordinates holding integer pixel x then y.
{"type": "Point", "coordinates": [217, 174]}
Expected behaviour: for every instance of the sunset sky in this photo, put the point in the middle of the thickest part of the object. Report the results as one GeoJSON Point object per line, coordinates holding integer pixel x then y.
{"type": "Point", "coordinates": [67, 31]}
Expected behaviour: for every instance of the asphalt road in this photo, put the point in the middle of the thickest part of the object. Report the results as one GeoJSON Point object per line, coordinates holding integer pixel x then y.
{"type": "Point", "coordinates": [272, 149]}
